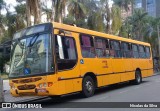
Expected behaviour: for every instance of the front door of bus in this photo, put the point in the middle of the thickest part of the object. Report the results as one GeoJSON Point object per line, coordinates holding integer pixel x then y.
{"type": "Point", "coordinates": [67, 67]}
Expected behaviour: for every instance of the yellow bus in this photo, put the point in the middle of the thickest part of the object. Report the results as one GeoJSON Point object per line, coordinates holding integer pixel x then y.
{"type": "Point", "coordinates": [54, 59]}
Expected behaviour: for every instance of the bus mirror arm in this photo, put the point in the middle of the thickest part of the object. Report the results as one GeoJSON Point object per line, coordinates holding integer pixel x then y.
{"type": "Point", "coordinates": [61, 31]}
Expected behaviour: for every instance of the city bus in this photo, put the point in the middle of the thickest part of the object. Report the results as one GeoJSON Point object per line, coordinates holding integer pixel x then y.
{"type": "Point", "coordinates": [54, 59]}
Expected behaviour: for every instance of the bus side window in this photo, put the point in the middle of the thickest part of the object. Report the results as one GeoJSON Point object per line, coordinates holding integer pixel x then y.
{"type": "Point", "coordinates": [147, 52]}
{"type": "Point", "coordinates": [142, 51]}
{"type": "Point", "coordinates": [126, 49]}
{"type": "Point", "coordinates": [65, 52]}
{"type": "Point", "coordinates": [135, 51]}
{"type": "Point", "coordinates": [87, 46]}
{"type": "Point", "coordinates": [115, 49]}
{"type": "Point", "coordinates": [102, 47]}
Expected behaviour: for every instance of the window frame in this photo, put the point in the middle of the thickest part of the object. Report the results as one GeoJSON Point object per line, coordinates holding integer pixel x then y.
{"type": "Point", "coordinates": [120, 49]}
{"type": "Point", "coordinates": [131, 52]}
{"type": "Point", "coordinates": [142, 52]}
{"type": "Point", "coordinates": [76, 60]}
{"type": "Point", "coordinates": [92, 44]}
{"type": "Point", "coordinates": [149, 52]}
{"type": "Point", "coordinates": [106, 39]}
{"type": "Point", "coordinates": [135, 51]}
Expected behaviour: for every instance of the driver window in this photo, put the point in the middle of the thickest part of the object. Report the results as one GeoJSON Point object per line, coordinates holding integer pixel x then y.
{"type": "Point", "coordinates": [65, 52]}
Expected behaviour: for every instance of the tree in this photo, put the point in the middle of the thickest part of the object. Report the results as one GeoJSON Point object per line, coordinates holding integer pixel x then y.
{"type": "Point", "coordinates": [116, 20]}
{"type": "Point", "coordinates": [138, 22]}
{"type": "Point", "coordinates": [106, 13]}
{"type": "Point", "coordinates": [58, 10]}
{"type": "Point", "coordinates": [95, 15]}
{"type": "Point", "coordinates": [77, 9]}
{"type": "Point", "coordinates": [48, 12]}
{"type": "Point", "coordinates": [20, 16]}
{"type": "Point", "coordinates": [33, 8]}
{"type": "Point", "coordinates": [2, 28]}
{"type": "Point", "coordinates": [2, 5]}
{"type": "Point", "coordinates": [124, 4]}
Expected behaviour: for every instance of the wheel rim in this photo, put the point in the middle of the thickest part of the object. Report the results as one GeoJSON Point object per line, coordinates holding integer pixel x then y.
{"type": "Point", "coordinates": [89, 86]}
{"type": "Point", "coordinates": [138, 78]}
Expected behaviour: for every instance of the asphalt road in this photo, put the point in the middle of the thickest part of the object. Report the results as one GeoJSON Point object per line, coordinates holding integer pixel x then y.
{"type": "Point", "coordinates": [147, 91]}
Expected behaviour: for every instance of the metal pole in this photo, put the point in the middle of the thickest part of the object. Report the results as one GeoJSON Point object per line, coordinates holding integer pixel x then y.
{"type": "Point", "coordinates": [1, 89]}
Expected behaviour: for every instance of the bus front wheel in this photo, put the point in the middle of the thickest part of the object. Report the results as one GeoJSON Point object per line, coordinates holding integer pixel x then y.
{"type": "Point", "coordinates": [88, 86]}
{"type": "Point", "coordinates": [138, 78]}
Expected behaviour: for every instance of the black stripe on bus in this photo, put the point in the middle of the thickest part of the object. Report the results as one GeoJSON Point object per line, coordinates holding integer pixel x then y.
{"type": "Point", "coordinates": [101, 74]}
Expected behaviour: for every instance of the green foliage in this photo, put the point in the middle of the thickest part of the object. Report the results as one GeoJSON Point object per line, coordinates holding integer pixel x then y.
{"type": "Point", "coordinates": [124, 3]}
{"type": "Point", "coordinates": [77, 9]}
{"type": "Point", "coordinates": [95, 22]}
{"type": "Point", "coordinates": [21, 9]}
{"type": "Point", "coordinates": [116, 19]}
{"type": "Point", "coordinates": [69, 20]}
{"type": "Point", "coordinates": [136, 24]}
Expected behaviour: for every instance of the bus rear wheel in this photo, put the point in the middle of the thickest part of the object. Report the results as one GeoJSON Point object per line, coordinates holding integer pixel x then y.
{"type": "Point", "coordinates": [138, 78]}
{"type": "Point", "coordinates": [88, 87]}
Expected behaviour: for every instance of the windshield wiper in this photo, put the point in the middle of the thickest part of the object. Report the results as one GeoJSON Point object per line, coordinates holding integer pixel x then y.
{"type": "Point", "coordinates": [33, 40]}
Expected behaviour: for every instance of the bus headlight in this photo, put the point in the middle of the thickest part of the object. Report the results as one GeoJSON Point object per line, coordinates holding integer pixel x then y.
{"type": "Point", "coordinates": [40, 85]}
{"type": "Point", "coordinates": [44, 84]}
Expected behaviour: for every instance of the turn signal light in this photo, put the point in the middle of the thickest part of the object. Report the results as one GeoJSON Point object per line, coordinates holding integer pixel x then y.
{"type": "Point", "coordinates": [50, 84]}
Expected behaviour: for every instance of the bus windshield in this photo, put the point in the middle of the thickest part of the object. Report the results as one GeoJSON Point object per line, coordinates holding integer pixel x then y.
{"type": "Point", "coordinates": [31, 56]}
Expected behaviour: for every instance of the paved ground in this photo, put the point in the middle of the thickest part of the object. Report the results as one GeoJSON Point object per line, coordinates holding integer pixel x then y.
{"type": "Point", "coordinates": [6, 85]}
{"type": "Point", "coordinates": [148, 91]}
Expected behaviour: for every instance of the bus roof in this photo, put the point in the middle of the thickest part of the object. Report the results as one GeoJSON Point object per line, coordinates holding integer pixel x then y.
{"type": "Point", "coordinates": [95, 33]}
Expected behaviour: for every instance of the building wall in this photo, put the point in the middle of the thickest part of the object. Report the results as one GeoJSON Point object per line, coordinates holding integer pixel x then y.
{"type": "Point", "coordinates": [152, 9]}
{"type": "Point", "coordinates": [158, 8]}
{"type": "Point", "coordinates": [144, 2]}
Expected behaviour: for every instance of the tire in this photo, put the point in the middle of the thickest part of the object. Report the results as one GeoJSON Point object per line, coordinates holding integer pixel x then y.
{"type": "Point", "coordinates": [88, 87]}
{"type": "Point", "coordinates": [138, 78]}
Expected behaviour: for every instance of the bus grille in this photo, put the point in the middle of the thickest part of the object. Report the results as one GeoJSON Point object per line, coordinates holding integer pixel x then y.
{"type": "Point", "coordinates": [26, 87]}
{"type": "Point", "coordinates": [28, 80]}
